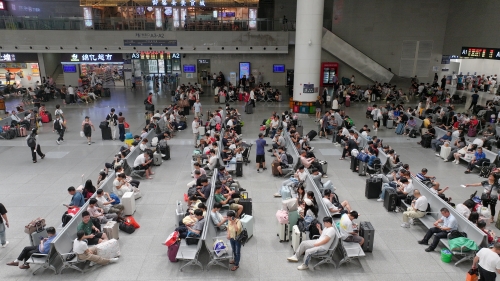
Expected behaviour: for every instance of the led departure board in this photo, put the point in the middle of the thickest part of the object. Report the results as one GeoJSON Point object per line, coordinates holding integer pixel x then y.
{"type": "Point", "coordinates": [480, 53]}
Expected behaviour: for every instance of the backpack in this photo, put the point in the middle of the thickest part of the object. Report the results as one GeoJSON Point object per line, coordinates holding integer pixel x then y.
{"type": "Point", "coordinates": [313, 230]}
{"type": "Point", "coordinates": [57, 124]}
{"type": "Point", "coordinates": [376, 161]}
{"type": "Point", "coordinates": [116, 198]}
{"type": "Point", "coordinates": [301, 224]}
{"type": "Point", "coordinates": [485, 171]}
{"type": "Point", "coordinates": [127, 228]}
{"type": "Point", "coordinates": [289, 158]}
{"type": "Point", "coordinates": [31, 141]}
{"type": "Point", "coordinates": [66, 218]}
{"type": "Point", "coordinates": [350, 122]}
{"type": "Point", "coordinates": [455, 234]}
{"type": "Point", "coordinates": [192, 190]}
{"type": "Point", "coordinates": [146, 101]}
{"type": "Point", "coordinates": [162, 143]}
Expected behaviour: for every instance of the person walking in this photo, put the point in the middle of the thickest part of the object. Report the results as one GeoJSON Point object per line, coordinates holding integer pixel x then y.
{"type": "Point", "coordinates": [234, 228]}
{"type": "Point", "coordinates": [473, 103]}
{"type": "Point", "coordinates": [112, 120]}
{"type": "Point", "coordinates": [197, 108]}
{"type": "Point", "coordinates": [4, 222]}
{"type": "Point", "coordinates": [132, 79]}
{"type": "Point", "coordinates": [261, 153]}
{"type": "Point", "coordinates": [71, 93]}
{"type": "Point", "coordinates": [58, 126]}
{"type": "Point", "coordinates": [121, 126]}
{"type": "Point", "coordinates": [87, 128]}
{"type": "Point", "coordinates": [32, 139]}
{"type": "Point", "coordinates": [196, 130]}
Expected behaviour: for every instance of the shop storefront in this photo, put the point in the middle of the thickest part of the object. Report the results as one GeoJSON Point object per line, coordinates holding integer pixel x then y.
{"type": "Point", "coordinates": [149, 64]}
{"type": "Point", "coordinates": [19, 69]}
{"type": "Point", "coordinates": [92, 68]}
{"type": "Point", "coordinates": [171, 14]}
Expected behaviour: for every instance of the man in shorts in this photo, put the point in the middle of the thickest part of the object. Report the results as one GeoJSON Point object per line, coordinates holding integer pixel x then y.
{"type": "Point", "coordinates": [93, 235]}
{"type": "Point", "coordinates": [226, 198]}
{"type": "Point", "coordinates": [349, 230]}
{"type": "Point", "coordinates": [261, 153]}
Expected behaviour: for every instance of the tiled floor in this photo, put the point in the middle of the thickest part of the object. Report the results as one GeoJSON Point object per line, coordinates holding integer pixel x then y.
{"type": "Point", "coordinates": [30, 190]}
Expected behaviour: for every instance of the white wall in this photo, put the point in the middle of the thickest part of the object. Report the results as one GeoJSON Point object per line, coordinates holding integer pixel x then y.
{"type": "Point", "coordinates": [486, 67]}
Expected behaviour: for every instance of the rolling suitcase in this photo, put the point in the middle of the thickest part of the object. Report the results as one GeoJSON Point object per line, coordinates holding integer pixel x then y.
{"type": "Point", "coordinates": [390, 124]}
{"type": "Point", "coordinates": [367, 231]}
{"type": "Point", "coordinates": [111, 230]}
{"type": "Point", "coordinates": [312, 134]}
{"type": "Point", "coordinates": [299, 128]}
{"type": "Point", "coordinates": [157, 159]}
{"type": "Point", "coordinates": [297, 237]}
{"type": "Point", "coordinates": [390, 199]}
{"type": "Point", "coordinates": [172, 251]}
{"type": "Point", "coordinates": [354, 163]}
{"type": "Point", "coordinates": [247, 206]}
{"type": "Point", "coordinates": [283, 232]}
{"type": "Point", "coordinates": [362, 169]}
{"type": "Point", "coordinates": [400, 129]}
{"type": "Point", "coordinates": [128, 202]}
{"type": "Point", "coordinates": [201, 129]}
{"type": "Point", "coordinates": [165, 151]}
{"type": "Point", "coordinates": [179, 212]}
{"type": "Point", "coordinates": [106, 133]}
{"type": "Point", "coordinates": [274, 168]}
{"type": "Point", "coordinates": [426, 141]}
{"type": "Point", "coordinates": [106, 93]}
{"type": "Point", "coordinates": [293, 217]}
{"type": "Point", "coordinates": [222, 99]}
{"type": "Point", "coordinates": [239, 169]}
{"type": "Point", "coordinates": [36, 237]}
{"type": "Point", "coordinates": [248, 108]}
{"type": "Point", "coordinates": [324, 165]}
{"type": "Point", "coordinates": [373, 187]}
{"type": "Point", "coordinates": [247, 223]}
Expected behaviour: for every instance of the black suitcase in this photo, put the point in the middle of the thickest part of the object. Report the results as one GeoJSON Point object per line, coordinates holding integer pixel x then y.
{"type": "Point", "coordinates": [106, 133]}
{"type": "Point", "coordinates": [239, 169]}
{"type": "Point", "coordinates": [106, 92]}
{"type": "Point", "coordinates": [68, 98]}
{"type": "Point", "coordinates": [249, 108]}
{"type": "Point", "coordinates": [150, 107]}
{"type": "Point", "coordinates": [247, 205]}
{"type": "Point", "coordinates": [367, 231]}
{"type": "Point", "coordinates": [103, 124]}
{"type": "Point", "coordinates": [373, 188]}
{"type": "Point", "coordinates": [426, 141]}
{"type": "Point", "coordinates": [354, 163]}
{"type": "Point", "coordinates": [390, 199]}
{"type": "Point", "coordinates": [166, 152]}
{"type": "Point", "coordinates": [312, 134]}
{"type": "Point", "coordinates": [186, 110]}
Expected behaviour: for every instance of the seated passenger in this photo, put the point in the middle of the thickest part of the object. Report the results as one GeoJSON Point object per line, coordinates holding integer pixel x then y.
{"type": "Point", "coordinates": [197, 228]}
{"type": "Point", "coordinates": [84, 253]}
{"type": "Point", "coordinates": [442, 227]}
{"type": "Point", "coordinates": [478, 159]}
{"type": "Point", "coordinates": [218, 219]}
{"type": "Point", "coordinates": [417, 209]}
{"type": "Point", "coordinates": [98, 213]}
{"type": "Point", "coordinates": [109, 203]}
{"type": "Point", "coordinates": [282, 158]}
{"type": "Point", "coordinates": [335, 207]}
{"type": "Point", "coordinates": [227, 199]}
{"type": "Point", "coordinates": [310, 247]}
{"type": "Point", "coordinates": [143, 163]}
{"type": "Point", "coordinates": [93, 234]}
{"type": "Point", "coordinates": [77, 200]}
{"type": "Point", "coordinates": [349, 230]}
{"type": "Point", "coordinates": [43, 248]}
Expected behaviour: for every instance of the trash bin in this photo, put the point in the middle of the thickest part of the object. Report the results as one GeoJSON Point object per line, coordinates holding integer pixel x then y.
{"type": "Point", "coordinates": [446, 255]}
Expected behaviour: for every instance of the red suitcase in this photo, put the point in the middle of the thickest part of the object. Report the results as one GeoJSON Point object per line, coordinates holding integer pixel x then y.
{"type": "Point", "coordinates": [45, 119]}
{"type": "Point", "coordinates": [240, 96]}
{"type": "Point", "coordinates": [348, 101]}
{"type": "Point", "coordinates": [172, 251]}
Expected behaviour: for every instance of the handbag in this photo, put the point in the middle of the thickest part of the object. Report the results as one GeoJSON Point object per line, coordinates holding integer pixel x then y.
{"type": "Point", "coordinates": [472, 275]}
{"type": "Point", "coordinates": [34, 225]}
{"type": "Point", "coordinates": [220, 248]}
{"type": "Point", "coordinates": [192, 238]}
{"type": "Point", "coordinates": [172, 238]}
{"type": "Point", "coordinates": [242, 237]}
{"type": "Point", "coordinates": [82, 134]}
{"type": "Point", "coordinates": [126, 125]}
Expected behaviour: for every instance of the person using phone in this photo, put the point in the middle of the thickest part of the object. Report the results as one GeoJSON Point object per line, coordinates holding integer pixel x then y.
{"type": "Point", "coordinates": [42, 248]}
{"type": "Point", "coordinates": [93, 234]}
{"type": "Point", "coordinates": [77, 200]}
{"type": "Point", "coordinates": [234, 228]}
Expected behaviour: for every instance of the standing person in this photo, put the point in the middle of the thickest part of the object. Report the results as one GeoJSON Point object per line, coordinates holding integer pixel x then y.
{"type": "Point", "coordinates": [112, 120]}
{"type": "Point", "coordinates": [196, 131]}
{"type": "Point", "coordinates": [64, 92]}
{"type": "Point", "coordinates": [473, 103]}
{"type": "Point", "coordinates": [317, 104]}
{"type": "Point", "coordinates": [443, 82]}
{"type": "Point", "coordinates": [71, 93]}
{"type": "Point", "coordinates": [252, 97]}
{"type": "Point", "coordinates": [87, 128]}
{"type": "Point", "coordinates": [132, 79]}
{"type": "Point", "coordinates": [259, 78]}
{"type": "Point", "coordinates": [58, 126]}
{"type": "Point", "coordinates": [59, 112]}
{"type": "Point", "coordinates": [261, 153]}
{"type": "Point", "coordinates": [32, 139]}
{"type": "Point", "coordinates": [4, 222]}
{"type": "Point", "coordinates": [487, 262]}
{"type": "Point", "coordinates": [234, 228]}
{"type": "Point", "coordinates": [121, 126]}
{"type": "Point", "coordinates": [197, 108]}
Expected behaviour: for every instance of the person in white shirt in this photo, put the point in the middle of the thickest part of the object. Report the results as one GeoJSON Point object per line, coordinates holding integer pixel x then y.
{"type": "Point", "coordinates": [252, 97]}
{"type": "Point", "coordinates": [143, 163]}
{"type": "Point", "coordinates": [337, 208]}
{"type": "Point", "coordinates": [335, 104]}
{"type": "Point", "coordinates": [84, 253]}
{"type": "Point", "coordinates": [196, 132]}
{"type": "Point", "coordinates": [217, 218]}
{"type": "Point", "coordinates": [14, 117]}
{"type": "Point", "coordinates": [144, 144]}
{"type": "Point", "coordinates": [311, 247]}
{"type": "Point", "coordinates": [487, 261]}
{"type": "Point", "coordinates": [348, 229]}
{"type": "Point", "coordinates": [96, 212]}
{"type": "Point", "coordinates": [71, 93]}
{"type": "Point", "coordinates": [212, 161]}
{"type": "Point", "coordinates": [417, 209]}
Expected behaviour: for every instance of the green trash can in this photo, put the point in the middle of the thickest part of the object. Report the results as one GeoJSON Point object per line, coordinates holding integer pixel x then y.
{"type": "Point", "coordinates": [446, 255]}
{"type": "Point", "coordinates": [312, 109]}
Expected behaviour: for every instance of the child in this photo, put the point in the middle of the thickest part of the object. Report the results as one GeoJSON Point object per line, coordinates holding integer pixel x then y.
{"type": "Point", "coordinates": [448, 97]}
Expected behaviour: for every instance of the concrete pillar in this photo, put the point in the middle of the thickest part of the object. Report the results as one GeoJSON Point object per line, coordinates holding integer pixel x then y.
{"type": "Point", "coordinates": [308, 35]}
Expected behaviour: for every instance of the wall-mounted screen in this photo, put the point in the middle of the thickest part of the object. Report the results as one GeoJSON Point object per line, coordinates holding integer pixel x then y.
{"type": "Point", "coordinates": [189, 68]}
{"type": "Point", "coordinates": [244, 69]}
{"type": "Point", "coordinates": [69, 68]}
{"type": "Point", "coordinates": [278, 68]}
{"type": "Point", "coordinates": [228, 14]}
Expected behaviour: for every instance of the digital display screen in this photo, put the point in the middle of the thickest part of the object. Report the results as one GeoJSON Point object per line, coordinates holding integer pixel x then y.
{"type": "Point", "coordinates": [480, 53]}
{"type": "Point", "coordinates": [244, 69]}
{"type": "Point", "coordinates": [2, 5]}
{"type": "Point", "coordinates": [278, 68]}
{"type": "Point", "coordinates": [189, 68]}
{"type": "Point", "coordinates": [69, 68]}
{"type": "Point", "coordinates": [168, 11]}
{"type": "Point", "coordinates": [228, 14]}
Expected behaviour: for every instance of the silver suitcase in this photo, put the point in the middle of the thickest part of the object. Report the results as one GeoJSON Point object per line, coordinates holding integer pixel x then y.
{"type": "Point", "coordinates": [128, 202]}
{"type": "Point", "coordinates": [179, 212]}
{"type": "Point", "coordinates": [390, 124]}
{"type": "Point", "coordinates": [284, 232]}
{"type": "Point", "coordinates": [297, 237]}
{"type": "Point", "coordinates": [111, 230]}
{"type": "Point", "coordinates": [247, 223]}
{"type": "Point", "coordinates": [324, 165]}
{"type": "Point", "coordinates": [157, 159]}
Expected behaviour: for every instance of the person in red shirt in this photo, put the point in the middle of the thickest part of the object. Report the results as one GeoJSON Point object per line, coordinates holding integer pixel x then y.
{"type": "Point", "coordinates": [150, 98]}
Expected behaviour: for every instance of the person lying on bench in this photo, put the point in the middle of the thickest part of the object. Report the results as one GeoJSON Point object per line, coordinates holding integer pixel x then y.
{"type": "Point", "coordinates": [311, 247]}
{"type": "Point", "coordinates": [442, 227]}
{"type": "Point", "coordinates": [93, 234]}
{"type": "Point", "coordinates": [417, 209]}
{"type": "Point", "coordinates": [84, 253]}
{"type": "Point", "coordinates": [43, 248]}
